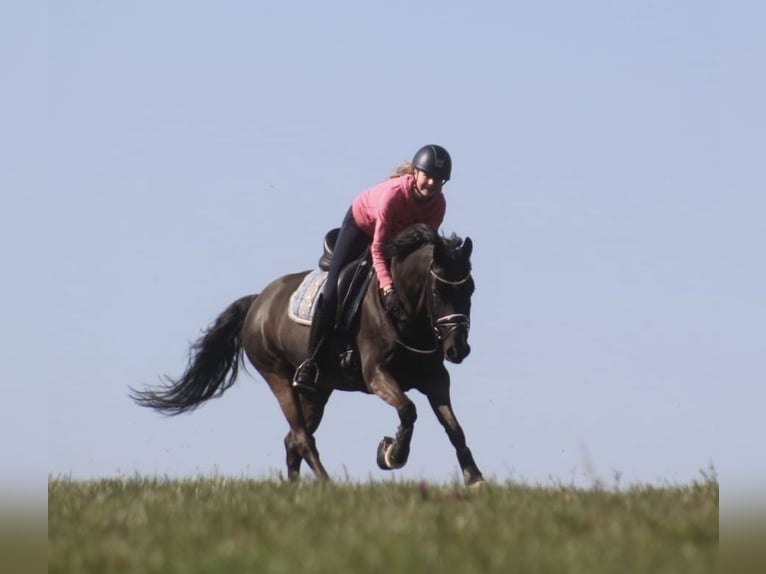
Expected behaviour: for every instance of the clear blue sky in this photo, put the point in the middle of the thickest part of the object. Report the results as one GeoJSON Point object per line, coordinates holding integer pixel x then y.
{"type": "Point", "coordinates": [197, 150]}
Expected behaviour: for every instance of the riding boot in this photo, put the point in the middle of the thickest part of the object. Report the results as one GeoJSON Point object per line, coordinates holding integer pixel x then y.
{"type": "Point", "coordinates": [307, 373]}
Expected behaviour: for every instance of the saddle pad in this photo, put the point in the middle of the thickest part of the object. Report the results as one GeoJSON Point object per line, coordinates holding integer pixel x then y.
{"type": "Point", "coordinates": [304, 298]}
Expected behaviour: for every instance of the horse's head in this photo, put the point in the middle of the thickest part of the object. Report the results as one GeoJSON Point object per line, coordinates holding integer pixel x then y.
{"type": "Point", "coordinates": [450, 286]}
{"type": "Point", "coordinates": [435, 275]}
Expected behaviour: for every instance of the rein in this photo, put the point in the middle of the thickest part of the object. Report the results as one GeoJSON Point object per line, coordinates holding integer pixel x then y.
{"type": "Point", "coordinates": [448, 323]}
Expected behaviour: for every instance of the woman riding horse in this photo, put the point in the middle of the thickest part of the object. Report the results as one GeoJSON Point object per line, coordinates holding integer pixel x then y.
{"type": "Point", "coordinates": [402, 339]}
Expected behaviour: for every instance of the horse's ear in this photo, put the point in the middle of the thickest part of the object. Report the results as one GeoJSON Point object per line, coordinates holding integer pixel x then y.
{"type": "Point", "coordinates": [467, 247]}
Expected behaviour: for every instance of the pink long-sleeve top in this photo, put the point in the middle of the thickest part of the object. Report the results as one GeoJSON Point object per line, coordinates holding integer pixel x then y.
{"type": "Point", "coordinates": [387, 208]}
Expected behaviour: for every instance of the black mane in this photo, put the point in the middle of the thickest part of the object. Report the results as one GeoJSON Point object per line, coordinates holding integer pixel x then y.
{"type": "Point", "coordinates": [417, 235]}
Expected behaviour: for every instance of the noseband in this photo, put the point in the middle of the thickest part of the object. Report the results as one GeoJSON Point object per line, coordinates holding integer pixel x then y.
{"type": "Point", "coordinates": [443, 326]}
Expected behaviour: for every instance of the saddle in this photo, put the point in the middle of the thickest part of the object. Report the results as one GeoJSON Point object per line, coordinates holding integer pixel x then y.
{"type": "Point", "coordinates": [353, 281]}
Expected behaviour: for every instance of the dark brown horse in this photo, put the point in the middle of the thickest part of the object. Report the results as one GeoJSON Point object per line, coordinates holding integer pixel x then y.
{"type": "Point", "coordinates": [431, 273]}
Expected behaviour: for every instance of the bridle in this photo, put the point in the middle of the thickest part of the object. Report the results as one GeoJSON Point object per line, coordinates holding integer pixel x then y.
{"type": "Point", "coordinates": [444, 326]}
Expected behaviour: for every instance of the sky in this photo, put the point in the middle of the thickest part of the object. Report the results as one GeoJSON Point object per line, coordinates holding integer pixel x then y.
{"type": "Point", "coordinates": [166, 158]}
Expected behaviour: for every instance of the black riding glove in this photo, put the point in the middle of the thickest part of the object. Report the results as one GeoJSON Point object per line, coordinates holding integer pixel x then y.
{"type": "Point", "coordinates": [393, 305]}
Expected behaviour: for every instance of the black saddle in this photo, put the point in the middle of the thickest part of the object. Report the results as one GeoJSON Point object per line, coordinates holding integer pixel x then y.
{"type": "Point", "coordinates": [353, 281]}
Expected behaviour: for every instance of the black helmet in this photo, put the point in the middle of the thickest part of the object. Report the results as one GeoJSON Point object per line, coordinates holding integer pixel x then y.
{"type": "Point", "coordinates": [434, 160]}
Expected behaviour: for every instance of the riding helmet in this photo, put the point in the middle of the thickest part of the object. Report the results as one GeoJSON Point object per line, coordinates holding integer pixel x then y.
{"type": "Point", "coordinates": [434, 160]}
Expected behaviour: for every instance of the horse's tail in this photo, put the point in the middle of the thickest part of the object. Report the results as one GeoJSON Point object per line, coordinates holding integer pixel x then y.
{"type": "Point", "coordinates": [214, 355]}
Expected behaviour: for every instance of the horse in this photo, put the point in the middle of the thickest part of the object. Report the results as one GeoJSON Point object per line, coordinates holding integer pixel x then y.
{"type": "Point", "coordinates": [431, 274]}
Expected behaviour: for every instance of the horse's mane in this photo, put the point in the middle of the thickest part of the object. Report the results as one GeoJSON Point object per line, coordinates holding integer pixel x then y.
{"type": "Point", "coordinates": [417, 235]}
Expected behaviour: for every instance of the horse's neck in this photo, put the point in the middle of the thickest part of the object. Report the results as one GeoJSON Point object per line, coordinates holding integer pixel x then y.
{"type": "Point", "coordinates": [411, 274]}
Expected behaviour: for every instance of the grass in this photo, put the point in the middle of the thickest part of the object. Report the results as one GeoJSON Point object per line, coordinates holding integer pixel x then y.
{"type": "Point", "coordinates": [222, 525]}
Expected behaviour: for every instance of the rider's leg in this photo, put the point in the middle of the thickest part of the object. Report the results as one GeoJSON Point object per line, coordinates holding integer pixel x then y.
{"type": "Point", "coordinates": [350, 244]}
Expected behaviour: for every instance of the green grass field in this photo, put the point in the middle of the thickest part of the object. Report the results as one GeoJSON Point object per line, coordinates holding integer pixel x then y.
{"type": "Point", "coordinates": [236, 526]}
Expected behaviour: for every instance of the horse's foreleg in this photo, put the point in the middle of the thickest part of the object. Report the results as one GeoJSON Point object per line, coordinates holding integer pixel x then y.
{"type": "Point", "coordinates": [394, 451]}
{"type": "Point", "coordinates": [438, 397]}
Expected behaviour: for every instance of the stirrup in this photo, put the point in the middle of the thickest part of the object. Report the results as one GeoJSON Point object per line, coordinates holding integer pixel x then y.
{"type": "Point", "coordinates": [299, 381]}
{"type": "Point", "coordinates": [348, 359]}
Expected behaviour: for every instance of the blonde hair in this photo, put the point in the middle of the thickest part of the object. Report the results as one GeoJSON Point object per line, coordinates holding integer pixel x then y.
{"type": "Point", "coordinates": [404, 169]}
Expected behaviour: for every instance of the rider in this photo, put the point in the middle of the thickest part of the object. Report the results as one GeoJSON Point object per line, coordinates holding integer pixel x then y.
{"type": "Point", "coordinates": [412, 195]}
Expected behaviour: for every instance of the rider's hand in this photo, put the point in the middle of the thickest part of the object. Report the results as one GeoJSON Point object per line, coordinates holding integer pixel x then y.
{"type": "Point", "coordinates": [393, 304]}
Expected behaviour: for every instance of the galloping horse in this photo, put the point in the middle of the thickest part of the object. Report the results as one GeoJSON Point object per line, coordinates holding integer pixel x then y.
{"type": "Point", "coordinates": [432, 275]}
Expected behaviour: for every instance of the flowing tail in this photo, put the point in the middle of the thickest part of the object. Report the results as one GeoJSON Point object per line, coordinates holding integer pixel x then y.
{"type": "Point", "coordinates": [214, 355]}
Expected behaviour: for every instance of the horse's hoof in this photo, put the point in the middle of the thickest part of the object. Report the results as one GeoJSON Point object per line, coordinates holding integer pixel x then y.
{"type": "Point", "coordinates": [478, 484]}
{"type": "Point", "coordinates": [384, 454]}
{"type": "Point", "coordinates": [383, 447]}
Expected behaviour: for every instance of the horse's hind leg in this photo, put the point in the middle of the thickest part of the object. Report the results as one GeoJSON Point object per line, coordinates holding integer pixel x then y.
{"type": "Point", "coordinates": [294, 457]}
{"type": "Point", "coordinates": [299, 441]}
{"type": "Point", "coordinates": [312, 413]}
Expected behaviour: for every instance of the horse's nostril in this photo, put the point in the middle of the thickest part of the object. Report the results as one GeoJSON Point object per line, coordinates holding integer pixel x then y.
{"type": "Point", "coordinates": [457, 353]}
